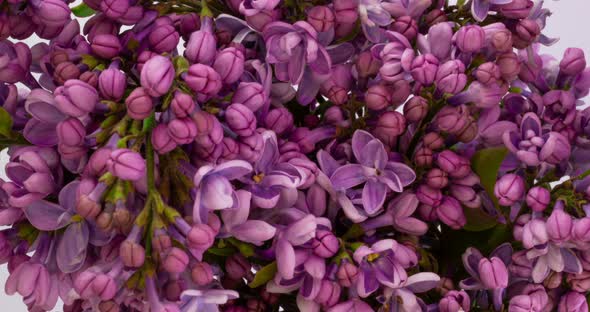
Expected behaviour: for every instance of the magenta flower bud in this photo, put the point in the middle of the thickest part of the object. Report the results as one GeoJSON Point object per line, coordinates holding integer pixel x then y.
{"type": "Point", "coordinates": [261, 19]}
{"type": "Point", "coordinates": [573, 62]}
{"type": "Point", "coordinates": [104, 287]}
{"type": "Point", "coordinates": [456, 166]}
{"type": "Point", "coordinates": [202, 274]}
{"type": "Point", "coordinates": [436, 178]}
{"type": "Point", "coordinates": [112, 83]}
{"type": "Point", "coordinates": [325, 244]}
{"type": "Point", "coordinates": [450, 77]}
{"type": "Point", "coordinates": [279, 120]}
{"type": "Point", "coordinates": [488, 73]}
{"type": "Point", "coordinates": [229, 63]}
{"type": "Point", "coordinates": [517, 9]}
{"type": "Point", "coordinates": [579, 282]}
{"type": "Point", "coordinates": [450, 213]}
{"type": "Point", "coordinates": [434, 17]}
{"type": "Point", "coordinates": [493, 273]}
{"type": "Point", "coordinates": [378, 97]}
{"type": "Point", "coordinates": [321, 18]}
{"type": "Point", "coordinates": [90, 78]}
{"type": "Point", "coordinates": [231, 149]}
{"type": "Point", "coordinates": [538, 198]}
{"type": "Point", "coordinates": [401, 92]}
{"type": "Point", "coordinates": [176, 261]}
{"type": "Point", "coordinates": [416, 109]}
{"type": "Point", "coordinates": [345, 10]}
{"type": "Point", "coordinates": [534, 233]}
{"type": "Point", "coordinates": [329, 293]}
{"type": "Point", "coordinates": [581, 230]}
{"type": "Point", "coordinates": [66, 71]}
{"type": "Point", "coordinates": [390, 126]}
{"type": "Point", "coordinates": [433, 141]}
{"type": "Point", "coordinates": [157, 75]}
{"type": "Point", "coordinates": [4, 27]}
{"type": "Point", "coordinates": [105, 306]}
{"type": "Point", "coordinates": [182, 130]}
{"type": "Point", "coordinates": [76, 98]}
{"type": "Point", "coordinates": [451, 119]}
{"type": "Point", "coordinates": [201, 237]}
{"type": "Point", "coordinates": [454, 301]}
{"type": "Point", "coordinates": [423, 157]}
{"type": "Point", "coordinates": [114, 8]}
{"type": "Point", "coordinates": [509, 189]}
{"type": "Point", "coordinates": [71, 132]}
{"type": "Point", "coordinates": [132, 254]}
{"type": "Point", "coordinates": [502, 40]}
{"type": "Point", "coordinates": [189, 23]}
{"type": "Point", "coordinates": [237, 266]}
{"type": "Point", "coordinates": [50, 13]}
{"type": "Point", "coordinates": [559, 225]}
{"type": "Point", "coordinates": [240, 119]}
{"type": "Point", "coordinates": [428, 195]}
{"type": "Point", "coordinates": [139, 104]}
{"type": "Point", "coordinates": [366, 65]}
{"type": "Point", "coordinates": [347, 273]}
{"type": "Point", "coordinates": [334, 116]}
{"type": "Point", "coordinates": [182, 104]}
{"type": "Point", "coordinates": [527, 31]}
{"type": "Point", "coordinates": [406, 26]}
{"type": "Point", "coordinates": [573, 301]}
{"type": "Point", "coordinates": [251, 147]}
{"type": "Point", "coordinates": [201, 47]}
{"type": "Point", "coordinates": [106, 46]}
{"type": "Point", "coordinates": [509, 65]}
{"type": "Point", "coordinates": [163, 38]}
{"type": "Point", "coordinates": [424, 69]}
{"type": "Point", "coordinates": [126, 164]}
{"type": "Point", "coordinates": [470, 38]}
{"type": "Point", "coordinates": [250, 94]}
{"type": "Point", "coordinates": [203, 79]}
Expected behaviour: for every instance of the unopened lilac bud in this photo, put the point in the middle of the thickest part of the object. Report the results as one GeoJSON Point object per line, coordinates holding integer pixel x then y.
{"type": "Point", "coordinates": [104, 287]}
{"type": "Point", "coordinates": [559, 225]}
{"type": "Point", "coordinates": [202, 273]}
{"type": "Point", "coordinates": [345, 10]}
{"type": "Point", "coordinates": [470, 39]}
{"type": "Point", "coordinates": [182, 130]}
{"type": "Point", "coordinates": [509, 189]}
{"type": "Point", "coordinates": [334, 116]}
{"type": "Point", "coordinates": [51, 13]}
{"type": "Point", "coordinates": [201, 47]}
{"type": "Point", "coordinates": [203, 79]}
{"type": "Point", "coordinates": [455, 301]}
{"type": "Point", "coordinates": [139, 104]}
{"type": "Point", "coordinates": [527, 30]}
{"type": "Point", "coordinates": [71, 132]}
{"type": "Point", "coordinates": [579, 282]}
{"type": "Point", "coordinates": [456, 166]}
{"type": "Point", "coordinates": [493, 273]}
{"type": "Point", "coordinates": [468, 132]}
{"type": "Point", "coordinates": [488, 73]}
{"type": "Point", "coordinates": [250, 94]}
{"type": "Point", "coordinates": [90, 78]}
{"type": "Point", "coordinates": [325, 244]}
{"type": "Point", "coordinates": [87, 208]}
{"type": "Point", "coordinates": [573, 62]}
{"type": "Point", "coordinates": [416, 109]}
{"type": "Point", "coordinates": [329, 293]}
{"type": "Point", "coordinates": [405, 25]}
{"type": "Point", "coordinates": [240, 119]}
{"type": "Point", "coordinates": [321, 18]}
{"type": "Point", "coordinates": [163, 38]}
{"type": "Point", "coordinates": [114, 8]}
{"type": "Point", "coordinates": [182, 104]}
{"type": "Point", "coordinates": [434, 17]}
{"type": "Point", "coordinates": [401, 92]}
{"type": "Point", "coordinates": [157, 75]}
{"type": "Point", "coordinates": [189, 23]}
{"type": "Point", "coordinates": [280, 120]}
{"type": "Point", "coordinates": [433, 141]}
{"type": "Point", "coordinates": [347, 274]}
{"type": "Point", "coordinates": [538, 198]}
{"type": "Point", "coordinates": [424, 69]}
{"type": "Point", "coordinates": [106, 46]}
{"type": "Point", "coordinates": [390, 126]}
{"type": "Point", "coordinates": [237, 266]}
{"type": "Point", "coordinates": [450, 77]}
{"type": "Point", "coordinates": [366, 65]}
{"type": "Point", "coordinates": [509, 65]}
{"type": "Point", "coordinates": [176, 261]}
{"type": "Point", "coordinates": [66, 71]}
{"type": "Point", "coordinates": [378, 97]}
{"type": "Point", "coordinates": [450, 213]}
{"type": "Point", "coordinates": [132, 254]}
{"type": "Point", "coordinates": [201, 236]}
{"type": "Point", "coordinates": [261, 19]}
{"type": "Point", "coordinates": [436, 178]}
{"type": "Point", "coordinates": [502, 40]}
{"type": "Point", "coordinates": [229, 63]}
{"type": "Point", "coordinates": [76, 98]}
{"type": "Point", "coordinates": [112, 83]}
{"type": "Point", "coordinates": [423, 157]}
{"type": "Point", "coordinates": [517, 9]}
{"type": "Point", "coordinates": [106, 306]}
{"type": "Point", "coordinates": [573, 301]}
{"type": "Point", "coordinates": [428, 195]}
{"type": "Point", "coordinates": [251, 147]}
{"type": "Point", "coordinates": [451, 119]}
{"type": "Point", "coordinates": [126, 164]}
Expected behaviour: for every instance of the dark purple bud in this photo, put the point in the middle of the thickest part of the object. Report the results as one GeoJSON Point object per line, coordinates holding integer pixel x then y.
{"type": "Point", "coordinates": [157, 75]}
{"type": "Point", "coordinates": [451, 119]}
{"type": "Point", "coordinates": [434, 17]}
{"type": "Point", "coordinates": [71, 132]}
{"type": "Point", "coordinates": [229, 63]}
{"type": "Point", "coordinates": [429, 195]}
{"type": "Point", "coordinates": [209, 129]}
{"type": "Point", "coordinates": [188, 24]}
{"type": "Point", "coordinates": [366, 65]}
{"type": "Point", "coordinates": [182, 130]}
{"type": "Point", "coordinates": [163, 38]}
{"type": "Point", "coordinates": [526, 33]}
{"type": "Point", "coordinates": [90, 78]}
{"type": "Point", "coordinates": [433, 141]}
{"type": "Point", "coordinates": [76, 98]}
{"type": "Point", "coordinates": [579, 282]}
{"type": "Point", "coordinates": [65, 71]}
{"type": "Point", "coordinates": [390, 126]}
{"type": "Point", "coordinates": [538, 198]}
{"type": "Point", "coordinates": [334, 116]}
{"type": "Point", "coordinates": [237, 266]}
{"type": "Point", "coordinates": [182, 104]}
{"type": "Point", "coordinates": [16, 61]}
{"type": "Point", "coordinates": [201, 47]}
{"type": "Point", "coordinates": [203, 79]}
{"type": "Point", "coordinates": [50, 13]}
{"type": "Point", "coordinates": [126, 164]}
{"type": "Point", "coordinates": [517, 9]}
{"type": "Point", "coordinates": [450, 213]}
{"type": "Point", "coordinates": [280, 120]}
{"type": "Point", "coordinates": [456, 166]}
{"type": "Point", "coordinates": [321, 18]}
{"type": "Point", "coordinates": [423, 157]}
{"type": "Point", "coordinates": [424, 69]}
{"type": "Point", "coordinates": [573, 62]}
{"type": "Point", "coordinates": [114, 8]}
{"type": "Point", "coordinates": [378, 97]}
{"type": "Point", "coordinates": [401, 92]}
{"type": "Point", "coordinates": [240, 119]}
{"type": "Point", "coordinates": [106, 46]}
{"type": "Point", "coordinates": [406, 26]}
{"type": "Point", "coordinates": [509, 189]}
{"type": "Point", "coordinates": [416, 109]}
{"type": "Point", "coordinates": [470, 39]}
{"type": "Point", "coordinates": [436, 178]}
{"type": "Point", "coordinates": [139, 104]}
{"type": "Point", "coordinates": [231, 149]}
{"type": "Point", "coordinates": [112, 83]}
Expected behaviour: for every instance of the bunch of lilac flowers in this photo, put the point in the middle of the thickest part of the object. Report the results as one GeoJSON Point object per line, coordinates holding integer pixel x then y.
{"type": "Point", "coordinates": [279, 155]}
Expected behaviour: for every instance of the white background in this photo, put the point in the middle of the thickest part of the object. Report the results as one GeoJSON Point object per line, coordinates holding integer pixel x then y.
{"type": "Point", "coordinates": [570, 21]}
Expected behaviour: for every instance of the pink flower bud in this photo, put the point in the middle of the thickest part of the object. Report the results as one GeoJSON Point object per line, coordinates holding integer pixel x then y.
{"type": "Point", "coordinates": [106, 46]}
{"type": "Point", "coordinates": [176, 261]}
{"type": "Point", "coordinates": [132, 254]}
{"type": "Point", "coordinates": [182, 130]}
{"type": "Point", "coordinates": [139, 104]}
{"type": "Point", "coordinates": [163, 38]}
{"type": "Point", "coordinates": [202, 274]}
{"type": "Point", "coordinates": [509, 189]}
{"type": "Point", "coordinates": [240, 119]}
{"type": "Point", "coordinates": [126, 164]}
{"type": "Point", "coordinates": [203, 79]}
{"type": "Point", "coordinates": [71, 132]}
{"type": "Point", "coordinates": [157, 75]}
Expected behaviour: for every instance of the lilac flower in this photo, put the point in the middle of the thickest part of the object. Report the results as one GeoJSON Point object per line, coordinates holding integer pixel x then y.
{"type": "Point", "coordinates": [373, 17]}
{"type": "Point", "coordinates": [236, 223]}
{"type": "Point", "coordinates": [308, 275]}
{"type": "Point", "coordinates": [207, 300]}
{"type": "Point", "coordinates": [214, 189]}
{"type": "Point", "coordinates": [413, 8]}
{"type": "Point", "coordinates": [374, 170]}
{"type": "Point", "coordinates": [405, 298]}
{"type": "Point", "coordinates": [296, 234]}
{"type": "Point", "coordinates": [480, 8]}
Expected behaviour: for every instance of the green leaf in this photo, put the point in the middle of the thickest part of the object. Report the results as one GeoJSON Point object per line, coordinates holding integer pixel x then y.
{"type": "Point", "coordinates": [83, 10]}
{"type": "Point", "coordinates": [247, 250]}
{"type": "Point", "coordinates": [181, 65]}
{"type": "Point", "coordinates": [478, 220]}
{"type": "Point", "coordinates": [224, 252]}
{"type": "Point", "coordinates": [460, 3]}
{"type": "Point", "coordinates": [5, 123]}
{"type": "Point", "coordinates": [264, 275]}
{"type": "Point", "coordinates": [486, 164]}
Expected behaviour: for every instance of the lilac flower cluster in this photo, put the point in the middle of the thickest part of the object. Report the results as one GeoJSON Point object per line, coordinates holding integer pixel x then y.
{"type": "Point", "coordinates": [278, 155]}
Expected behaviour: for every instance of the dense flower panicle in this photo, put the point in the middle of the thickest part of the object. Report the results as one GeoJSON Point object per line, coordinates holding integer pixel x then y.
{"type": "Point", "coordinates": [345, 155]}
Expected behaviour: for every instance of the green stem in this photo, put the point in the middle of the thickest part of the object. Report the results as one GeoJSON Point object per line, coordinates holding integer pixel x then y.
{"type": "Point", "coordinates": [149, 150]}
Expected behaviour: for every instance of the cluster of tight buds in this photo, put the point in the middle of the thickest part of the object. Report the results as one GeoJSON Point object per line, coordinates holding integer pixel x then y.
{"type": "Point", "coordinates": [284, 155]}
